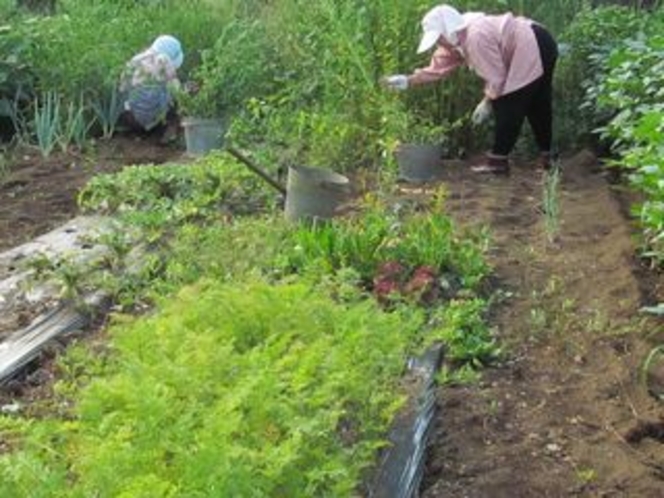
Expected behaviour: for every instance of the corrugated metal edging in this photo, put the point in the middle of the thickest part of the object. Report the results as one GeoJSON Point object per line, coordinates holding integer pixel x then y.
{"type": "Point", "coordinates": [401, 466]}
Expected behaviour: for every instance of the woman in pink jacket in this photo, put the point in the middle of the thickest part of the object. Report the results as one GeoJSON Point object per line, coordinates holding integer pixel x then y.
{"type": "Point", "coordinates": [514, 56]}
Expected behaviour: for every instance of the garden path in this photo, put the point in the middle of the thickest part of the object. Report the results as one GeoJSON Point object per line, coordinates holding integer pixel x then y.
{"type": "Point", "coordinates": [564, 415]}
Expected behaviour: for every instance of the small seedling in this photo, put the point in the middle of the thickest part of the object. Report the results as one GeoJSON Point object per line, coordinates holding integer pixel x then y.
{"type": "Point", "coordinates": [586, 476]}
{"type": "Point", "coordinates": [464, 375]}
{"type": "Point", "coordinates": [551, 202]}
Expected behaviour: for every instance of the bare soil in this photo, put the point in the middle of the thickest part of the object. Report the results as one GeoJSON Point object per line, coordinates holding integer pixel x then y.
{"type": "Point", "coordinates": [38, 194]}
{"type": "Point", "coordinates": [567, 412]}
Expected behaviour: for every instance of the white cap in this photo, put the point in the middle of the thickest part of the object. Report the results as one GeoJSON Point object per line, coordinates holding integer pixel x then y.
{"type": "Point", "coordinates": [444, 21]}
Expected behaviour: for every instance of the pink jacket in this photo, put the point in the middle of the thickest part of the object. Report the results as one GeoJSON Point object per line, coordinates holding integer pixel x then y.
{"type": "Point", "coordinates": [502, 50]}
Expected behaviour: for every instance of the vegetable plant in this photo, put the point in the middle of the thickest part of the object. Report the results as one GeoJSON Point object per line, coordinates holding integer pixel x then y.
{"type": "Point", "coordinates": [235, 390]}
{"type": "Point", "coordinates": [160, 196]}
{"type": "Point", "coordinates": [47, 122]}
{"type": "Point", "coordinates": [404, 237]}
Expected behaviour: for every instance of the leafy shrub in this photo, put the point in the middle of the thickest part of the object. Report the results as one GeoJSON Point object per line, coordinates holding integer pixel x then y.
{"type": "Point", "coordinates": [17, 78]}
{"type": "Point", "coordinates": [81, 51]}
{"type": "Point", "coordinates": [239, 66]}
{"type": "Point", "coordinates": [630, 95]}
{"type": "Point", "coordinates": [585, 47]}
{"type": "Point", "coordinates": [632, 90]}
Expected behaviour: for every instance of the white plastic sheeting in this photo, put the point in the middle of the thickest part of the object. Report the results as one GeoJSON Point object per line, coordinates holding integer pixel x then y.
{"type": "Point", "coordinates": [31, 313]}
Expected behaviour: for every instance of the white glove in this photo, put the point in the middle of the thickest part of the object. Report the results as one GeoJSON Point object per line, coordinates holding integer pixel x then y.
{"type": "Point", "coordinates": [482, 112]}
{"type": "Point", "coordinates": [396, 82]}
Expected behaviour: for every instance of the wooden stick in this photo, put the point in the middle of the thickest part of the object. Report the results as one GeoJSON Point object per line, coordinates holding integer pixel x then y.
{"type": "Point", "coordinates": [253, 167]}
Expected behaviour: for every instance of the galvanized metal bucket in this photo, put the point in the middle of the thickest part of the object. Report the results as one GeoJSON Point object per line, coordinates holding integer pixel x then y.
{"type": "Point", "coordinates": [419, 163]}
{"type": "Point", "coordinates": [203, 135]}
{"type": "Point", "coordinates": [314, 193]}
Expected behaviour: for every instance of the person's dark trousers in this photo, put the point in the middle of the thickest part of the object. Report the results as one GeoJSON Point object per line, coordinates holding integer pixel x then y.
{"type": "Point", "coordinates": [532, 102]}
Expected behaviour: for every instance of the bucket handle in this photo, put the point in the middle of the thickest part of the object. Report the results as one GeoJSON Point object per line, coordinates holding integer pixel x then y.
{"type": "Point", "coordinates": [332, 186]}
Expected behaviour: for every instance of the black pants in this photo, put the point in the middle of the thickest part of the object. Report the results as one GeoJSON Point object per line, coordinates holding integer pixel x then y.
{"type": "Point", "coordinates": [532, 102]}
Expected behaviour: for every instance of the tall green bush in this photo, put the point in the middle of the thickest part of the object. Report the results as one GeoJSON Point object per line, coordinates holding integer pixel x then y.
{"type": "Point", "coordinates": [242, 64]}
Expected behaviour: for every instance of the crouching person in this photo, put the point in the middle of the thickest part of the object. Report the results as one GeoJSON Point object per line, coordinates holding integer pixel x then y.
{"type": "Point", "coordinates": [147, 88]}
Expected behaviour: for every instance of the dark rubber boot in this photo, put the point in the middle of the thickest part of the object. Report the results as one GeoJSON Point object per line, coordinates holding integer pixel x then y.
{"type": "Point", "coordinates": [545, 161]}
{"type": "Point", "coordinates": [492, 163]}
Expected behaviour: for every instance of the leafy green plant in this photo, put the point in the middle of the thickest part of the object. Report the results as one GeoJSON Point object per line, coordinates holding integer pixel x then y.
{"type": "Point", "coordinates": [17, 79]}
{"type": "Point", "coordinates": [461, 326]}
{"type": "Point", "coordinates": [69, 276]}
{"type": "Point", "coordinates": [463, 375]}
{"type": "Point", "coordinates": [158, 196]}
{"type": "Point", "coordinates": [380, 235]}
{"type": "Point", "coordinates": [586, 44]}
{"type": "Point", "coordinates": [630, 94]}
{"type": "Point", "coordinates": [86, 44]}
{"type": "Point", "coordinates": [226, 251]}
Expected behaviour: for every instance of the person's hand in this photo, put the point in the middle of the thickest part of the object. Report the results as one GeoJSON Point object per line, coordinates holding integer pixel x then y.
{"type": "Point", "coordinates": [481, 112]}
{"type": "Point", "coordinates": [396, 82]}
{"type": "Point", "coordinates": [191, 87]}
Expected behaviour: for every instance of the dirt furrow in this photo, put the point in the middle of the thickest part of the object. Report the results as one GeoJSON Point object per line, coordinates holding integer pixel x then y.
{"type": "Point", "coordinates": [556, 417]}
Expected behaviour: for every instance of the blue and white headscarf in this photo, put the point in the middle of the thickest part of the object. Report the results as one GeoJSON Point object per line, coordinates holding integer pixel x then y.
{"type": "Point", "coordinates": [170, 47]}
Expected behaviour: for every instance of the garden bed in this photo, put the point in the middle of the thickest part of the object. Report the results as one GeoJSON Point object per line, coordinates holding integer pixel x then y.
{"type": "Point", "coordinates": [552, 315]}
{"type": "Point", "coordinates": [288, 343]}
